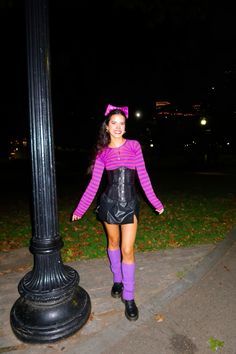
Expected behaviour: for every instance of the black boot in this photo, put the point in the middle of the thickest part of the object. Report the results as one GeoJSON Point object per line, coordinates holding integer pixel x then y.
{"type": "Point", "coordinates": [131, 310]}
{"type": "Point", "coordinates": [116, 290]}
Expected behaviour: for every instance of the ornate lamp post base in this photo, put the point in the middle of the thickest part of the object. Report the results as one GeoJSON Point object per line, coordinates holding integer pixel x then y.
{"type": "Point", "coordinates": [36, 322]}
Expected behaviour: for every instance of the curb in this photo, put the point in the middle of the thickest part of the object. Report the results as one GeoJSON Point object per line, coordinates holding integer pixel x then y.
{"type": "Point", "coordinates": [98, 342]}
{"type": "Point", "coordinates": [194, 276]}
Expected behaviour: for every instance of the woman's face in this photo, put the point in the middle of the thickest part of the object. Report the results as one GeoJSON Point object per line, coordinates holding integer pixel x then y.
{"type": "Point", "coordinates": [116, 125]}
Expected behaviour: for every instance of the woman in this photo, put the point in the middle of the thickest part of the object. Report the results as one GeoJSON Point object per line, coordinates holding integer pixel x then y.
{"type": "Point", "coordinates": [119, 205]}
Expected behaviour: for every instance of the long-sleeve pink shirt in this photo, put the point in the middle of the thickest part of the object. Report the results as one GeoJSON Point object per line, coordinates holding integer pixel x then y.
{"type": "Point", "coordinates": [128, 155]}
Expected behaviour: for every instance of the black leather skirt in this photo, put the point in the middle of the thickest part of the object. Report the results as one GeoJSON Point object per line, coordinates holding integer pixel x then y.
{"type": "Point", "coordinates": [119, 202]}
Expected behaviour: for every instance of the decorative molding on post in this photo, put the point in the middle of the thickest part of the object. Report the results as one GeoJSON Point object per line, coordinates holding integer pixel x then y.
{"type": "Point", "coordinates": [52, 305]}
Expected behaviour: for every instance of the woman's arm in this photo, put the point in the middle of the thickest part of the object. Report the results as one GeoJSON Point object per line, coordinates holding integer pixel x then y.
{"type": "Point", "coordinates": [90, 191]}
{"type": "Point", "coordinates": [145, 180]}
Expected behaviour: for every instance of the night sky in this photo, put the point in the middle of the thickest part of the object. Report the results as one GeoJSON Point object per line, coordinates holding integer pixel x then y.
{"type": "Point", "coordinates": [125, 53]}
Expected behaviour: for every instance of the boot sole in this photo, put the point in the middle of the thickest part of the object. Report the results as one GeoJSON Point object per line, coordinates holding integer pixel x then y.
{"type": "Point", "coordinates": [131, 318]}
{"type": "Point", "coordinates": [116, 296]}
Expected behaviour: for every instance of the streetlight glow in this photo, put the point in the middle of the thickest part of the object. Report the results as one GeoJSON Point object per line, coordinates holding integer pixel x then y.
{"type": "Point", "coordinates": [138, 115]}
{"type": "Point", "coordinates": [203, 121]}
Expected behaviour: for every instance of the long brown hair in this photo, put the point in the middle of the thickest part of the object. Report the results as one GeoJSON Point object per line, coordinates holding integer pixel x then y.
{"type": "Point", "coordinates": [104, 138]}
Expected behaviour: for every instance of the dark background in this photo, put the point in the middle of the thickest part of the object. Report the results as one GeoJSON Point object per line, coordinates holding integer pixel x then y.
{"type": "Point", "coordinates": [123, 52]}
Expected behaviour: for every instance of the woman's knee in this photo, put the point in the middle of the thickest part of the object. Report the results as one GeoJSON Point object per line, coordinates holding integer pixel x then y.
{"type": "Point", "coordinates": [127, 252]}
{"type": "Point", "coordinates": [113, 243]}
{"type": "Point", "coordinates": [113, 236]}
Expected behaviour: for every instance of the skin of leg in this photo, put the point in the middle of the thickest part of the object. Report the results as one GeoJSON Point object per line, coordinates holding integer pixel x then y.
{"type": "Point", "coordinates": [113, 234]}
{"type": "Point", "coordinates": [128, 232]}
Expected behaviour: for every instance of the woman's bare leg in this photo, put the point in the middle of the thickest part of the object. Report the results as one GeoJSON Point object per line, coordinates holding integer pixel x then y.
{"type": "Point", "coordinates": [113, 234]}
{"type": "Point", "coordinates": [114, 255]}
{"type": "Point", "coordinates": [128, 232]}
{"type": "Point", "coordinates": [126, 269]}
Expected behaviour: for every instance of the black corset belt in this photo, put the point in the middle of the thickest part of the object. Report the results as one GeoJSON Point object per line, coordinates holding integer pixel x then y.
{"type": "Point", "coordinates": [121, 184]}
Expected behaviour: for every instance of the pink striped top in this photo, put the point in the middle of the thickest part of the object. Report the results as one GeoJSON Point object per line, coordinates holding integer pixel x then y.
{"type": "Point", "coordinates": [129, 155]}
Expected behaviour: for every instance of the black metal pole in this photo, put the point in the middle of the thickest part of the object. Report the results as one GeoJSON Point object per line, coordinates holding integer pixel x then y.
{"type": "Point", "coordinates": [51, 305]}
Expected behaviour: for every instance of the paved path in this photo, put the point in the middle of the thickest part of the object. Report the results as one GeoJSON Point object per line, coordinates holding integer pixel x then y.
{"type": "Point", "coordinates": [185, 296]}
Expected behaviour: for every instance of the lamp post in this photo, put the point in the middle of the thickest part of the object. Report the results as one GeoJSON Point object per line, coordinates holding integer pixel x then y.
{"type": "Point", "coordinates": [51, 305]}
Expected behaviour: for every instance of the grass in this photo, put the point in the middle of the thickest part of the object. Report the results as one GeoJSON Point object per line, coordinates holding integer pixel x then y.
{"type": "Point", "coordinates": [197, 211]}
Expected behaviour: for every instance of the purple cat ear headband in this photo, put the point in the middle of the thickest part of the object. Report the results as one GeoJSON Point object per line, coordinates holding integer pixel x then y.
{"type": "Point", "coordinates": [110, 108]}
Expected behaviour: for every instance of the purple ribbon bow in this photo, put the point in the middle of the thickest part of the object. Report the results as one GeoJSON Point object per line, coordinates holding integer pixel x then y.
{"type": "Point", "coordinates": [110, 108]}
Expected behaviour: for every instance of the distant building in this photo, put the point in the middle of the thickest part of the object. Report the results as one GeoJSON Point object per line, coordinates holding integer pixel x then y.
{"type": "Point", "coordinates": [168, 110]}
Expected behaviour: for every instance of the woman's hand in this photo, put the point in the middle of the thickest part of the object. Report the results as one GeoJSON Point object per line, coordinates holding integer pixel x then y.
{"type": "Point", "coordinates": [75, 217]}
{"type": "Point", "coordinates": [160, 211]}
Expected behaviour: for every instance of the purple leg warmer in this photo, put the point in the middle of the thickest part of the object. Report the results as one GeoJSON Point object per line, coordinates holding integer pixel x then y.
{"type": "Point", "coordinates": [128, 271]}
{"type": "Point", "coordinates": [115, 264]}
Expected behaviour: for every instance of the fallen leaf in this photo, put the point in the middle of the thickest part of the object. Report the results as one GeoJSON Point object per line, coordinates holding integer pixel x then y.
{"type": "Point", "coordinates": [91, 316]}
{"type": "Point", "coordinates": [159, 318]}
